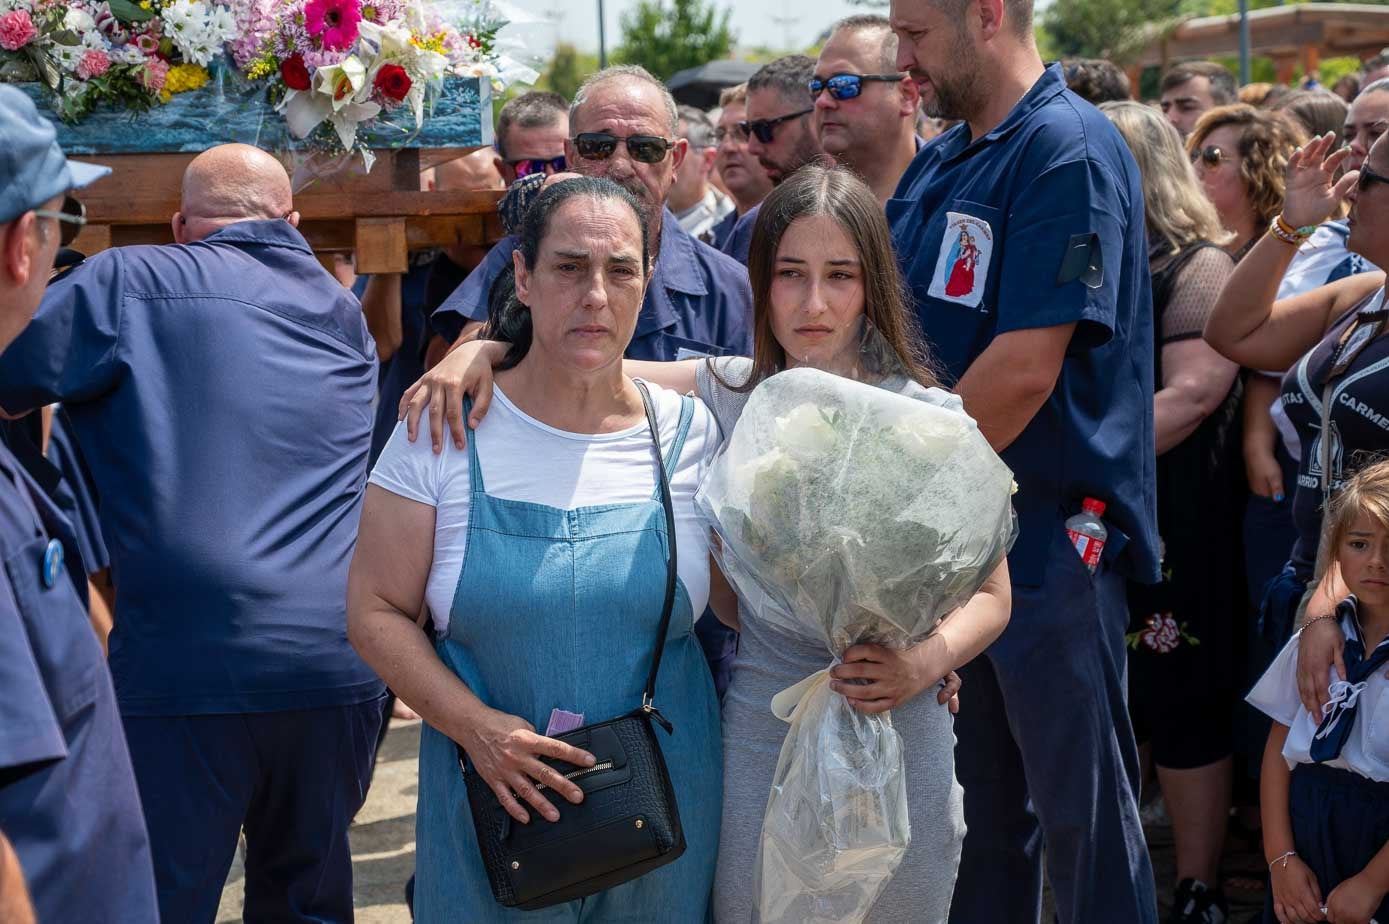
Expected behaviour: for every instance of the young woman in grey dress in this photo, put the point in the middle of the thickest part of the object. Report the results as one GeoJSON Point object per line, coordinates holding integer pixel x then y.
{"type": "Point", "coordinates": [821, 261]}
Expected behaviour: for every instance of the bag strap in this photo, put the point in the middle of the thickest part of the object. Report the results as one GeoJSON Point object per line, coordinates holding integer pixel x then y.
{"type": "Point", "coordinates": [648, 700]}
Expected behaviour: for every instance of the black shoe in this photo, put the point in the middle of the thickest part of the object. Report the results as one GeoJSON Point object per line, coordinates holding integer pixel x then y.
{"type": "Point", "coordinates": [1195, 903]}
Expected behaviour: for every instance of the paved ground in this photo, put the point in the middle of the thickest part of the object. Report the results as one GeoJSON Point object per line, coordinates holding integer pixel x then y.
{"type": "Point", "coordinates": [383, 847]}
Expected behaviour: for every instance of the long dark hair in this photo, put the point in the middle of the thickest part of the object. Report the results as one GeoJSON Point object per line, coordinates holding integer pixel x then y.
{"type": "Point", "coordinates": [842, 196]}
{"type": "Point", "coordinates": [507, 319]}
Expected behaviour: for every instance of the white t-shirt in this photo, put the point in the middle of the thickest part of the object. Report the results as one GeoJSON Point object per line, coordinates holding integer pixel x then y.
{"type": "Point", "coordinates": [1366, 750]}
{"type": "Point", "coordinates": [526, 460]}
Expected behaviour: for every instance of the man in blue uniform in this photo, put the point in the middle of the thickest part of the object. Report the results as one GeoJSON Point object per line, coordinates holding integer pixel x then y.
{"type": "Point", "coordinates": [699, 302]}
{"type": "Point", "coordinates": [221, 389]}
{"type": "Point", "coordinates": [1022, 234]}
{"type": "Point", "coordinates": [780, 132]}
{"type": "Point", "coordinates": [68, 800]}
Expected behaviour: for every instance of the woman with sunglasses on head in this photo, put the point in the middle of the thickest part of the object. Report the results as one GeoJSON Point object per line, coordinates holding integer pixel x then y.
{"type": "Point", "coordinates": [1182, 638]}
{"type": "Point", "coordinates": [1331, 341]}
{"type": "Point", "coordinates": [821, 263]}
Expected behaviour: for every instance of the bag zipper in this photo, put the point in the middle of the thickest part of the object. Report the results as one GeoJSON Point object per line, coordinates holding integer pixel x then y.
{"type": "Point", "coordinates": [577, 774]}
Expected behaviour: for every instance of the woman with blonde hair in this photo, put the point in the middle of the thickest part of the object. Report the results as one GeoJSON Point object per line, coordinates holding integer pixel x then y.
{"type": "Point", "coordinates": [1182, 689]}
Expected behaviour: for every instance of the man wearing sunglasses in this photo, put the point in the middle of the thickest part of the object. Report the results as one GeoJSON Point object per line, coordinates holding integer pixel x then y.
{"type": "Point", "coordinates": [865, 110]}
{"type": "Point", "coordinates": [531, 131]}
{"type": "Point", "coordinates": [698, 302]}
{"type": "Point", "coordinates": [741, 173]}
{"type": "Point", "coordinates": [68, 799]}
{"type": "Point", "coordinates": [220, 389]}
{"type": "Point", "coordinates": [780, 134]}
{"type": "Point", "coordinates": [1050, 345]}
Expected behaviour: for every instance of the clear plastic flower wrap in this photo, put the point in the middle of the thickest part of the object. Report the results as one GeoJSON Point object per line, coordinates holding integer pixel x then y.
{"type": "Point", "coordinates": [848, 513]}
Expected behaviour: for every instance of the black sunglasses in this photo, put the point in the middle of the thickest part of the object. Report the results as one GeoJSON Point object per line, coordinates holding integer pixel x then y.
{"type": "Point", "coordinates": [764, 130]}
{"type": "Point", "coordinates": [848, 86]}
{"type": "Point", "coordinates": [1368, 178]}
{"type": "Point", "coordinates": [525, 166]}
{"type": "Point", "coordinates": [1210, 155]}
{"type": "Point", "coordinates": [73, 217]}
{"type": "Point", "coordinates": [649, 149]}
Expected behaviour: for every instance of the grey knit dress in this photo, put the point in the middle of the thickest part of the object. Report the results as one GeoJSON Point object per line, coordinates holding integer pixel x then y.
{"type": "Point", "coordinates": [768, 662]}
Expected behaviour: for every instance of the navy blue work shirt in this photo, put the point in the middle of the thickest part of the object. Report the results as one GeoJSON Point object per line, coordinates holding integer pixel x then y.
{"type": "Point", "coordinates": [699, 302]}
{"type": "Point", "coordinates": [1036, 224]}
{"type": "Point", "coordinates": [221, 393]}
{"type": "Point", "coordinates": [68, 800]}
{"type": "Point", "coordinates": [738, 243]}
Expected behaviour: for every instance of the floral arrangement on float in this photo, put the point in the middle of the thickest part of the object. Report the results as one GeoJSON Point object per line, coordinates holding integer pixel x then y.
{"type": "Point", "coordinates": [331, 69]}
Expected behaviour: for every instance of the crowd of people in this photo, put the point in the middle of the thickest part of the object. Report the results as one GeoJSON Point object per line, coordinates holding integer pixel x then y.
{"type": "Point", "coordinates": [252, 508]}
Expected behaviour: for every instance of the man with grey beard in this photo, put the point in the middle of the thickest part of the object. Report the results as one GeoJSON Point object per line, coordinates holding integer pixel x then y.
{"type": "Point", "coordinates": [1021, 232]}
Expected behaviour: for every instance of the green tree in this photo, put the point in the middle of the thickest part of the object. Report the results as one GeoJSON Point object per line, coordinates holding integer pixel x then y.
{"type": "Point", "coordinates": [568, 69]}
{"type": "Point", "coordinates": [665, 37]}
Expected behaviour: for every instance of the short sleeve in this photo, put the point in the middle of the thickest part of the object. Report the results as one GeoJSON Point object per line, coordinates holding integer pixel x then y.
{"type": "Point", "coordinates": [69, 351]}
{"type": "Point", "coordinates": [411, 470]}
{"type": "Point", "coordinates": [1066, 209]}
{"type": "Point", "coordinates": [469, 301]}
{"type": "Point", "coordinates": [1197, 289]}
{"type": "Point", "coordinates": [30, 735]}
{"type": "Point", "coordinates": [1275, 694]}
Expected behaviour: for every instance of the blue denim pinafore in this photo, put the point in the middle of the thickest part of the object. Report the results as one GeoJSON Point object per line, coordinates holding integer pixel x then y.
{"type": "Point", "coordinates": [559, 609]}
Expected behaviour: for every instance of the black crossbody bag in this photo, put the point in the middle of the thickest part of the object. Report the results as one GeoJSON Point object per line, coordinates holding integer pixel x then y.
{"type": "Point", "coordinates": [628, 823]}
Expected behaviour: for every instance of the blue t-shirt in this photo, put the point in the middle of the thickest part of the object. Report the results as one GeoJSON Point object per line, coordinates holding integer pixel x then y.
{"type": "Point", "coordinates": [221, 393]}
{"type": "Point", "coordinates": [68, 800]}
{"type": "Point", "coordinates": [738, 243]}
{"type": "Point", "coordinates": [720, 232]}
{"type": "Point", "coordinates": [699, 302]}
{"type": "Point", "coordinates": [1040, 223]}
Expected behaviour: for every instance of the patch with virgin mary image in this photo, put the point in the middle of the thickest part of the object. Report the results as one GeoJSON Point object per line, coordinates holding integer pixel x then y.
{"type": "Point", "coordinates": [963, 266]}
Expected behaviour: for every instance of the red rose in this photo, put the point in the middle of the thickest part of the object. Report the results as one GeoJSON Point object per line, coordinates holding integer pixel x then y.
{"type": "Point", "coordinates": [393, 82]}
{"type": "Point", "coordinates": [294, 73]}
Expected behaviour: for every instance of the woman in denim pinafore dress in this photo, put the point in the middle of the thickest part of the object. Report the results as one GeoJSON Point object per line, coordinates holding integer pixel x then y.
{"type": "Point", "coordinates": [553, 607]}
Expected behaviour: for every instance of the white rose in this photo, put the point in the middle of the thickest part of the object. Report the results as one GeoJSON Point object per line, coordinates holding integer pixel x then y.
{"type": "Point", "coordinates": [79, 21]}
{"type": "Point", "coordinates": [930, 438]}
{"type": "Point", "coordinates": [805, 431]}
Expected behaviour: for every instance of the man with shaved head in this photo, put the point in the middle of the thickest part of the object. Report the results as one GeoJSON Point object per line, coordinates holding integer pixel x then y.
{"type": "Point", "coordinates": [220, 389]}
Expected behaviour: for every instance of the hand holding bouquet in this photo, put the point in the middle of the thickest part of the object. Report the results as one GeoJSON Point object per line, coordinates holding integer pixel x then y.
{"type": "Point", "coordinates": [848, 513]}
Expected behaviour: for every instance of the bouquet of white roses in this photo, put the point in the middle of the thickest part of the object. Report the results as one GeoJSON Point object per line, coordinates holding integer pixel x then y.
{"type": "Point", "coordinates": [848, 513]}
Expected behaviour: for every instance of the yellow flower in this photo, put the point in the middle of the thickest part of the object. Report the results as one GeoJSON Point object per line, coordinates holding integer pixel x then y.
{"type": "Point", "coordinates": [185, 77]}
{"type": "Point", "coordinates": [260, 68]}
{"type": "Point", "coordinates": [146, 5]}
{"type": "Point", "coordinates": [434, 43]}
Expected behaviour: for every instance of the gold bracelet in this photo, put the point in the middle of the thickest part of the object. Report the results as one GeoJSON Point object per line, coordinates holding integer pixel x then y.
{"type": "Point", "coordinates": [1284, 858]}
{"type": "Point", "coordinates": [1286, 232]}
{"type": "Point", "coordinates": [1319, 618]}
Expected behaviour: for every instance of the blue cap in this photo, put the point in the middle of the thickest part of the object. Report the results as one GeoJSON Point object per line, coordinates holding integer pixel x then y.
{"type": "Point", "coordinates": [32, 166]}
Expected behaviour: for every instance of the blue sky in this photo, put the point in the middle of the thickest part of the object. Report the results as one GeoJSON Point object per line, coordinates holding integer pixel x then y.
{"type": "Point", "coordinates": [778, 23]}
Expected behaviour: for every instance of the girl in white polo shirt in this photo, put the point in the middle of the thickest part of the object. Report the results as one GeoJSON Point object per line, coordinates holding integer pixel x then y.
{"type": "Point", "coordinates": [1325, 782]}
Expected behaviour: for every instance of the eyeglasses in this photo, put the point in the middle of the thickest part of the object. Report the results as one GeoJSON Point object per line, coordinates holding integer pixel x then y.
{"type": "Point", "coordinates": [525, 166]}
{"type": "Point", "coordinates": [848, 86]}
{"type": "Point", "coordinates": [764, 130]}
{"type": "Point", "coordinates": [649, 149]}
{"type": "Point", "coordinates": [1210, 155]}
{"type": "Point", "coordinates": [738, 133]}
{"type": "Point", "coordinates": [73, 217]}
{"type": "Point", "coordinates": [1368, 178]}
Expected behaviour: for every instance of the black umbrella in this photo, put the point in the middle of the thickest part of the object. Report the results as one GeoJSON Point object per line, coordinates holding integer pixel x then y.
{"type": "Point", "coordinates": [700, 86]}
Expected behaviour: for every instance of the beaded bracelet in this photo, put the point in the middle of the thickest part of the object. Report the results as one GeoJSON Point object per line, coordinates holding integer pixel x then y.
{"type": "Point", "coordinates": [1318, 618]}
{"type": "Point", "coordinates": [1285, 232]}
{"type": "Point", "coordinates": [1284, 858]}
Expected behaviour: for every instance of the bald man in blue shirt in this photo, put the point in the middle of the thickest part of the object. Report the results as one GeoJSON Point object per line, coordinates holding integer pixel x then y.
{"type": "Point", "coordinates": [221, 389]}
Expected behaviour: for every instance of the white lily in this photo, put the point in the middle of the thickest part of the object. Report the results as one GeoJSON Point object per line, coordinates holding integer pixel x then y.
{"type": "Point", "coordinates": [344, 83]}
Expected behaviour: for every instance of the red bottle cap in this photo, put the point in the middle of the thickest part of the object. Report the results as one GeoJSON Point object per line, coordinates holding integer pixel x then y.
{"type": "Point", "coordinates": [1091, 505]}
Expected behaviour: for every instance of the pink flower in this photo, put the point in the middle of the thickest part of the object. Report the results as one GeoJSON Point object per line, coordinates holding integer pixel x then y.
{"type": "Point", "coordinates": [153, 74]}
{"type": "Point", "coordinates": [93, 64]}
{"type": "Point", "coordinates": [16, 30]}
{"type": "Point", "coordinates": [147, 43]}
{"type": "Point", "coordinates": [334, 21]}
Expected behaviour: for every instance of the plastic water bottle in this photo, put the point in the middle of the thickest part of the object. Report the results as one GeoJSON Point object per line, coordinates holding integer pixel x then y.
{"type": "Point", "coordinates": [1087, 533]}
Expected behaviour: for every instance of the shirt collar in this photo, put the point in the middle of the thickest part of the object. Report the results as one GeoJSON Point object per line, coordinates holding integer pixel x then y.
{"type": "Point", "coordinates": [1049, 85]}
{"type": "Point", "coordinates": [677, 270]}
{"type": "Point", "coordinates": [274, 232]}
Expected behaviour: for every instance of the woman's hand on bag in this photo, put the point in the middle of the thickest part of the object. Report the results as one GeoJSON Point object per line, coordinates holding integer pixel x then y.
{"type": "Point", "coordinates": [506, 751]}
{"type": "Point", "coordinates": [1354, 901]}
{"type": "Point", "coordinates": [893, 677]}
{"type": "Point", "coordinates": [1318, 648]}
{"type": "Point", "coordinates": [1313, 192]}
{"type": "Point", "coordinates": [465, 370]}
{"type": "Point", "coordinates": [1296, 896]}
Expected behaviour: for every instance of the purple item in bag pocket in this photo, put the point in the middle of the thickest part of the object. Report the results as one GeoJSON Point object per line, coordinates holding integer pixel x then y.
{"type": "Point", "coordinates": [561, 722]}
